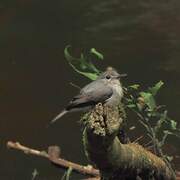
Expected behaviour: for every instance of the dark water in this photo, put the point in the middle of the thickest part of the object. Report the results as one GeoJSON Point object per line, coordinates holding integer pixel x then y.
{"type": "Point", "coordinates": [141, 38]}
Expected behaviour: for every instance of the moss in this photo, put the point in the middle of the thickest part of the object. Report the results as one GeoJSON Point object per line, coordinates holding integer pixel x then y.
{"type": "Point", "coordinates": [116, 160]}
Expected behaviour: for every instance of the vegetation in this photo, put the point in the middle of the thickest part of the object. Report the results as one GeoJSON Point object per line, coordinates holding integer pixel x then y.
{"type": "Point", "coordinates": [153, 117]}
{"type": "Point", "coordinates": [115, 158]}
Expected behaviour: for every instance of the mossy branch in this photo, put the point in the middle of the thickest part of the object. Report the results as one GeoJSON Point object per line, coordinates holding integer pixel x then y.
{"type": "Point", "coordinates": [114, 159]}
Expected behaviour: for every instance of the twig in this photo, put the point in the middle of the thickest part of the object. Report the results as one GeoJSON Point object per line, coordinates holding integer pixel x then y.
{"type": "Point", "coordinates": [53, 156]}
{"type": "Point", "coordinates": [74, 85]}
{"type": "Point", "coordinates": [148, 144]}
{"type": "Point", "coordinates": [137, 139]}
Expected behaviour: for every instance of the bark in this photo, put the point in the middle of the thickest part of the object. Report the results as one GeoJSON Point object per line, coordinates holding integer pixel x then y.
{"type": "Point", "coordinates": [114, 159]}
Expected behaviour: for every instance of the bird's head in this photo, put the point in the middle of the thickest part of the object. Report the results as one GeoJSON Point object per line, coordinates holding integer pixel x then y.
{"type": "Point", "coordinates": [111, 75]}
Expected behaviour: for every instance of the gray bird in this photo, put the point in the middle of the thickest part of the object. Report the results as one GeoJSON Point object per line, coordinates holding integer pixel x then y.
{"type": "Point", "coordinates": [106, 89]}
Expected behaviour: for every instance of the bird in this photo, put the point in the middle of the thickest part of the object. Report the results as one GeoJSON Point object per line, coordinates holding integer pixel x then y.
{"type": "Point", "coordinates": [106, 89]}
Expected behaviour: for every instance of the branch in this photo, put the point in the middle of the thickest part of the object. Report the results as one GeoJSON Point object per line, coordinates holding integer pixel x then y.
{"type": "Point", "coordinates": [53, 156]}
{"type": "Point", "coordinates": [114, 159]}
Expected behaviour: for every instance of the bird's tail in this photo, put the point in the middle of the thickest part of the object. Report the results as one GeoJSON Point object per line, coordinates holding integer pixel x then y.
{"type": "Point", "coordinates": [62, 113]}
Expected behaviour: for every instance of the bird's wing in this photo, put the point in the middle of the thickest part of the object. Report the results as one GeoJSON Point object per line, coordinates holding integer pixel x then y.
{"type": "Point", "coordinates": [90, 95]}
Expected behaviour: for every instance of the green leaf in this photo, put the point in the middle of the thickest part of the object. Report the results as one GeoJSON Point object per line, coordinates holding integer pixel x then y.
{"type": "Point", "coordinates": [153, 90]}
{"type": "Point", "coordinates": [131, 105]}
{"type": "Point", "coordinates": [82, 65]}
{"type": "Point", "coordinates": [169, 158]}
{"type": "Point", "coordinates": [96, 53]}
{"type": "Point", "coordinates": [173, 124]}
{"type": "Point", "coordinates": [93, 68]}
{"type": "Point", "coordinates": [160, 122]}
{"type": "Point", "coordinates": [91, 76]}
{"type": "Point", "coordinates": [135, 86]}
{"type": "Point", "coordinates": [149, 100]}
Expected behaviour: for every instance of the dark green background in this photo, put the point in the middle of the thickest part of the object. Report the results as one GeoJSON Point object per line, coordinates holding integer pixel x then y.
{"type": "Point", "coordinates": [140, 38]}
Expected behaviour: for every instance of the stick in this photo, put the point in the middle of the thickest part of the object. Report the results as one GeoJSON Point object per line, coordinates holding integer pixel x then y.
{"type": "Point", "coordinates": [53, 156]}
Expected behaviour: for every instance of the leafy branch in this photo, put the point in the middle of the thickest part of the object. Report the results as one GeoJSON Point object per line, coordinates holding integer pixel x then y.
{"type": "Point", "coordinates": [143, 103]}
{"type": "Point", "coordinates": [153, 117]}
{"type": "Point", "coordinates": [83, 64]}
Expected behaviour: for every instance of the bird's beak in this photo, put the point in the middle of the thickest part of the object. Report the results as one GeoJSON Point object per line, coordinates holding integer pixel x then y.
{"type": "Point", "coordinates": [120, 76]}
{"type": "Point", "coordinates": [123, 75]}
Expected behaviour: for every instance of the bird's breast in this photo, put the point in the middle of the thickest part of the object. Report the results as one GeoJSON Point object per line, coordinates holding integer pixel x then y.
{"type": "Point", "coordinates": [117, 89]}
{"type": "Point", "coordinates": [115, 99]}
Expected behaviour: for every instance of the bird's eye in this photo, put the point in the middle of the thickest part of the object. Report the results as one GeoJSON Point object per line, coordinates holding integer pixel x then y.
{"type": "Point", "coordinates": [108, 77]}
